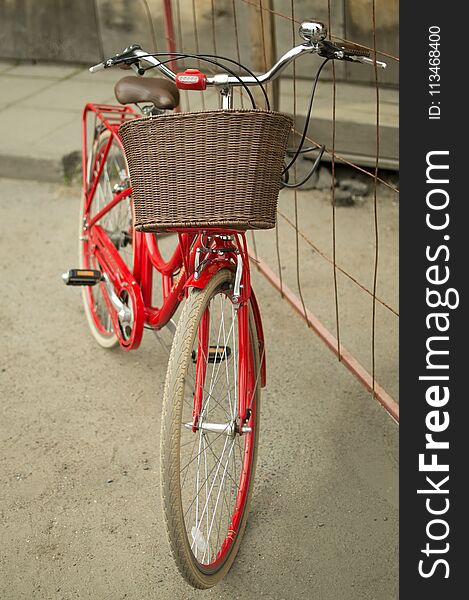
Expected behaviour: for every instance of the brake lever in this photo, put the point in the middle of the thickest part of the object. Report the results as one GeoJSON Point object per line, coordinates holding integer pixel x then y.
{"type": "Point", "coordinates": [126, 57]}
{"type": "Point", "coordinates": [329, 50]}
{"type": "Point", "coordinates": [127, 53]}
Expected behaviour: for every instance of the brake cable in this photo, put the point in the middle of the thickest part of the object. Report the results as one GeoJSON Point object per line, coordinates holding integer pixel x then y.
{"type": "Point", "coordinates": [300, 150]}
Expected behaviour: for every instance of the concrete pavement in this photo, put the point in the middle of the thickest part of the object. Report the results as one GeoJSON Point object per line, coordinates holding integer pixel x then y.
{"type": "Point", "coordinates": [324, 520]}
{"type": "Point", "coordinates": [79, 437]}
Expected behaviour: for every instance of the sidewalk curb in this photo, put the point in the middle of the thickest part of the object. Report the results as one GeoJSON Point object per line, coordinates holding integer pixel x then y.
{"type": "Point", "coordinates": [38, 169]}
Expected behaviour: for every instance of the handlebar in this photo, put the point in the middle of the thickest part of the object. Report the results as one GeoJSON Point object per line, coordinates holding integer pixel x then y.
{"type": "Point", "coordinates": [313, 33]}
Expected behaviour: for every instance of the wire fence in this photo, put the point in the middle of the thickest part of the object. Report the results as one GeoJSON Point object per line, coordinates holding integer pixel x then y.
{"type": "Point", "coordinates": [349, 300]}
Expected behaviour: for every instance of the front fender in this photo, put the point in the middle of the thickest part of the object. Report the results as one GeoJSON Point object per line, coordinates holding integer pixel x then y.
{"type": "Point", "coordinates": [256, 313]}
{"type": "Point", "coordinates": [208, 272]}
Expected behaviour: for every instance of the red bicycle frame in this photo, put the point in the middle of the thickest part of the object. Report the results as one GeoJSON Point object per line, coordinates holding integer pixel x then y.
{"type": "Point", "coordinates": [183, 270]}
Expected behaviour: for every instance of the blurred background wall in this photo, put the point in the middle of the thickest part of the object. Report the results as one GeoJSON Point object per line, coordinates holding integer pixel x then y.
{"type": "Point", "coordinates": [85, 31]}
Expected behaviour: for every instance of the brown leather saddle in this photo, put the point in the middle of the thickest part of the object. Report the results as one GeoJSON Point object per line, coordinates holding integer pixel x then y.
{"type": "Point", "coordinates": [161, 92]}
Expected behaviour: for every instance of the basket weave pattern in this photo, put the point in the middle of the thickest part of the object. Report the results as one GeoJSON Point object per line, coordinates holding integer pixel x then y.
{"type": "Point", "coordinates": [214, 169]}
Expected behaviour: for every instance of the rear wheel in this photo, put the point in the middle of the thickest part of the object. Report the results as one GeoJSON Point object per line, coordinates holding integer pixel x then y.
{"type": "Point", "coordinates": [207, 474]}
{"type": "Point", "coordinates": [117, 223]}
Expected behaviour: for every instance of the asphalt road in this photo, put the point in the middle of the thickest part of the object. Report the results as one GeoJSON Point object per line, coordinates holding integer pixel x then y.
{"type": "Point", "coordinates": [79, 436]}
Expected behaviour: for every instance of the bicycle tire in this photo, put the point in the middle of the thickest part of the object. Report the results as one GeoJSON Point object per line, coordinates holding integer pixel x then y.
{"type": "Point", "coordinates": [178, 514]}
{"type": "Point", "coordinates": [115, 172]}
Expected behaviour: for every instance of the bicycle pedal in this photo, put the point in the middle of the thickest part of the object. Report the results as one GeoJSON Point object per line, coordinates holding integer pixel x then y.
{"type": "Point", "coordinates": [216, 354]}
{"type": "Point", "coordinates": [82, 277]}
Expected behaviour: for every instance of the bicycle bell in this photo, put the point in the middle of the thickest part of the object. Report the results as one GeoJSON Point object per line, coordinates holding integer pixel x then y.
{"type": "Point", "coordinates": [313, 31]}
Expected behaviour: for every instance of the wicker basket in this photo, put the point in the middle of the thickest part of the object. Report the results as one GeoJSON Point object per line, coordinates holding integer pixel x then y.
{"type": "Point", "coordinates": [214, 169]}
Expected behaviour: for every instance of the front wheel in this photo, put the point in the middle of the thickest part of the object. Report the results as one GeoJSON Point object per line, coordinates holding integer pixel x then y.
{"type": "Point", "coordinates": [207, 474]}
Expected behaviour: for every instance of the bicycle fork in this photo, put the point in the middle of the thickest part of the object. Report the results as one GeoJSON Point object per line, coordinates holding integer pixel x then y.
{"type": "Point", "coordinates": [246, 376]}
{"type": "Point", "coordinates": [206, 354]}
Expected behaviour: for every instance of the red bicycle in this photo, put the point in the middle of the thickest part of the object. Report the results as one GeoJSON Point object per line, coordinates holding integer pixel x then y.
{"type": "Point", "coordinates": [216, 369]}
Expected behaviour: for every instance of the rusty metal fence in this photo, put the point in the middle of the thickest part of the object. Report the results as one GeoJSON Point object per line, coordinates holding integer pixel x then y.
{"type": "Point", "coordinates": [313, 267]}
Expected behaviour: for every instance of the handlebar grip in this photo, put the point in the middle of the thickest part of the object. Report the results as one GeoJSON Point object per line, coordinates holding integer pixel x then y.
{"type": "Point", "coordinates": [369, 61]}
{"type": "Point", "coordinates": [352, 49]}
{"type": "Point", "coordinates": [96, 68]}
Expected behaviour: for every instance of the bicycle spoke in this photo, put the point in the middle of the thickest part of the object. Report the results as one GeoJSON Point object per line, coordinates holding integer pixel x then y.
{"type": "Point", "coordinates": [199, 489]}
{"type": "Point", "coordinates": [232, 405]}
{"type": "Point", "coordinates": [218, 370]}
{"type": "Point", "coordinates": [192, 460]}
{"type": "Point", "coordinates": [216, 458]}
{"type": "Point", "coordinates": [208, 446]}
{"type": "Point", "coordinates": [210, 491]}
{"type": "Point", "coordinates": [197, 486]}
{"type": "Point", "coordinates": [220, 490]}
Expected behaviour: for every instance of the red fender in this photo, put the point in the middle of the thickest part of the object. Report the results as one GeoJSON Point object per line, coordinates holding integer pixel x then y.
{"type": "Point", "coordinates": [260, 337]}
{"type": "Point", "coordinates": [208, 272]}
